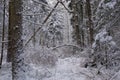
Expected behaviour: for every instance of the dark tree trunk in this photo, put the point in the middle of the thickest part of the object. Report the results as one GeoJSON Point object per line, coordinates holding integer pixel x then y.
{"type": "Point", "coordinates": [75, 22]}
{"type": "Point", "coordinates": [10, 32]}
{"type": "Point", "coordinates": [89, 22]}
{"type": "Point", "coordinates": [15, 45]}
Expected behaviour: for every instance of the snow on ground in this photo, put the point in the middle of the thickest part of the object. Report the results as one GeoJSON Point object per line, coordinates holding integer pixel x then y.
{"type": "Point", "coordinates": [66, 69]}
{"type": "Point", "coordinates": [5, 72]}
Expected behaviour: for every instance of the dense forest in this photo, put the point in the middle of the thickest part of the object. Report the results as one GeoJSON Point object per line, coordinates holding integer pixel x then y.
{"type": "Point", "coordinates": [59, 40]}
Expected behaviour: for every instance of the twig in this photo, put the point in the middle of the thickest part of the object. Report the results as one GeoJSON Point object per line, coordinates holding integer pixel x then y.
{"type": "Point", "coordinates": [66, 7]}
{"type": "Point", "coordinates": [33, 22]}
{"type": "Point", "coordinates": [50, 13]}
{"type": "Point", "coordinates": [44, 4]}
{"type": "Point", "coordinates": [66, 45]}
{"type": "Point", "coordinates": [4, 41]}
{"type": "Point", "coordinates": [41, 3]}
{"type": "Point", "coordinates": [112, 77]}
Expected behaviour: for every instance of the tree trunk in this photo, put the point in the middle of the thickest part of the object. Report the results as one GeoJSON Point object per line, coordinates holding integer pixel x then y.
{"type": "Point", "coordinates": [75, 22]}
{"type": "Point", "coordinates": [89, 22]}
{"type": "Point", "coordinates": [15, 45]}
{"type": "Point", "coordinates": [10, 32]}
{"type": "Point", "coordinates": [3, 34]}
{"type": "Point", "coordinates": [34, 29]}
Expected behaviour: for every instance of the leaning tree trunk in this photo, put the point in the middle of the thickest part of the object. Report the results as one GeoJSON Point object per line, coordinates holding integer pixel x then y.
{"type": "Point", "coordinates": [15, 45]}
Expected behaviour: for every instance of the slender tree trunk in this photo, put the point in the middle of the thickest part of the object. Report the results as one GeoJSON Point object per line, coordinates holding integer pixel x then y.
{"type": "Point", "coordinates": [75, 22]}
{"type": "Point", "coordinates": [80, 20]}
{"type": "Point", "coordinates": [10, 32]}
{"type": "Point", "coordinates": [89, 23]}
{"type": "Point", "coordinates": [3, 34]}
{"type": "Point", "coordinates": [76, 25]}
{"type": "Point", "coordinates": [34, 29]}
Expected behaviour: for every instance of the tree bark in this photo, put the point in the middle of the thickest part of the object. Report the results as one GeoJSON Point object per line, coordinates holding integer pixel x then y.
{"type": "Point", "coordinates": [75, 22]}
{"type": "Point", "coordinates": [89, 22]}
{"type": "Point", "coordinates": [3, 34]}
{"type": "Point", "coordinates": [15, 45]}
{"type": "Point", "coordinates": [10, 32]}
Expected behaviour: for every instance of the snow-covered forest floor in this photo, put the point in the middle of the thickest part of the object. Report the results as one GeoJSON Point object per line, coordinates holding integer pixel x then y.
{"type": "Point", "coordinates": [65, 68]}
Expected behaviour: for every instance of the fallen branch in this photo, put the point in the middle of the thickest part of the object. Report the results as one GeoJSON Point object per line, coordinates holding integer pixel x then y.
{"type": "Point", "coordinates": [53, 48]}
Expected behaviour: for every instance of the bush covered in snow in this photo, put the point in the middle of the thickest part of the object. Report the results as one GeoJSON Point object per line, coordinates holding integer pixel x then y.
{"type": "Point", "coordinates": [41, 56]}
{"type": "Point", "coordinates": [105, 51]}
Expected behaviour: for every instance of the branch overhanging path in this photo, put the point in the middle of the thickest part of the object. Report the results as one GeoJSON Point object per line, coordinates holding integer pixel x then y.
{"type": "Point", "coordinates": [45, 20]}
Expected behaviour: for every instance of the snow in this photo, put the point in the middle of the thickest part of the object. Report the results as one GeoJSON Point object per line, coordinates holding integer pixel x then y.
{"type": "Point", "coordinates": [116, 76]}
{"type": "Point", "coordinates": [111, 4]}
{"type": "Point", "coordinates": [65, 69]}
{"type": "Point", "coordinates": [112, 43]}
{"type": "Point", "coordinates": [103, 37]}
{"type": "Point", "coordinates": [100, 36]}
{"type": "Point", "coordinates": [31, 1]}
{"type": "Point", "coordinates": [51, 2]}
{"type": "Point", "coordinates": [94, 45]}
{"type": "Point", "coordinates": [5, 72]}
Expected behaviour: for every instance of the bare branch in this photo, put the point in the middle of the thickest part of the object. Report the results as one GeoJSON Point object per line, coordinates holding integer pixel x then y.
{"type": "Point", "coordinates": [41, 3]}
{"type": "Point", "coordinates": [70, 11]}
{"type": "Point", "coordinates": [33, 22]}
{"type": "Point", "coordinates": [42, 23]}
{"type": "Point", "coordinates": [66, 45]}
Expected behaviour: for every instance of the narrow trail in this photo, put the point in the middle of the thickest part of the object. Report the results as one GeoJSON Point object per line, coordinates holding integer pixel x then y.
{"type": "Point", "coordinates": [70, 68]}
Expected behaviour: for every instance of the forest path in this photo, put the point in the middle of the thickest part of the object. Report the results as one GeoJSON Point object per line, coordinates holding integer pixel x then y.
{"type": "Point", "coordinates": [69, 68]}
